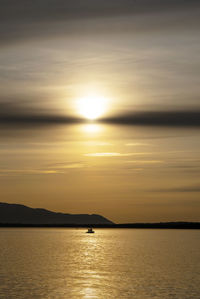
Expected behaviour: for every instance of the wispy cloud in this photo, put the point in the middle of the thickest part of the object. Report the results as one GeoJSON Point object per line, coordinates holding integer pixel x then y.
{"type": "Point", "coordinates": [5, 172]}
{"type": "Point", "coordinates": [54, 168]}
{"type": "Point", "coordinates": [146, 161]}
{"type": "Point", "coordinates": [136, 144]}
{"type": "Point", "coordinates": [181, 189]}
{"type": "Point", "coordinates": [113, 154]}
{"type": "Point", "coordinates": [67, 165]}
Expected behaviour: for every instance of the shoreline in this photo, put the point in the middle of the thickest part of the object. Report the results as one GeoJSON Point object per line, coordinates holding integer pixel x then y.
{"type": "Point", "coordinates": [160, 225]}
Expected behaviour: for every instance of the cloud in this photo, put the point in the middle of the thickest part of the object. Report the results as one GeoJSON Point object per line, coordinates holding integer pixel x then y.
{"type": "Point", "coordinates": [158, 118]}
{"type": "Point", "coordinates": [60, 9]}
{"type": "Point", "coordinates": [145, 161]}
{"type": "Point", "coordinates": [24, 19]}
{"type": "Point", "coordinates": [183, 189]}
{"type": "Point", "coordinates": [136, 144]}
{"type": "Point", "coordinates": [114, 154]}
{"type": "Point", "coordinates": [67, 165]}
{"type": "Point", "coordinates": [16, 172]}
{"type": "Point", "coordinates": [104, 155]}
{"type": "Point", "coordinates": [17, 114]}
{"type": "Point", "coordinates": [57, 168]}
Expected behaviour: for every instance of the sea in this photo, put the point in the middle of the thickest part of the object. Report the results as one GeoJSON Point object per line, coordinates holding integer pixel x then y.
{"type": "Point", "coordinates": [111, 263]}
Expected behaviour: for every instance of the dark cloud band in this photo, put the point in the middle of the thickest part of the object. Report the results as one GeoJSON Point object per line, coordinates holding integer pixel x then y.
{"type": "Point", "coordinates": [158, 118]}
{"type": "Point", "coordinates": [184, 189]}
{"type": "Point", "coordinates": [24, 19]}
{"type": "Point", "coordinates": [52, 10]}
{"type": "Point", "coordinates": [11, 114]}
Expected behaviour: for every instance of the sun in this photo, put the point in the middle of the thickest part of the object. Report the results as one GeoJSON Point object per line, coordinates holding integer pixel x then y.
{"type": "Point", "coordinates": [92, 106]}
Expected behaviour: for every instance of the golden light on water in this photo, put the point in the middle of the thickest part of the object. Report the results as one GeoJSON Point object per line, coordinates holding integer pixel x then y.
{"type": "Point", "coordinates": [92, 106]}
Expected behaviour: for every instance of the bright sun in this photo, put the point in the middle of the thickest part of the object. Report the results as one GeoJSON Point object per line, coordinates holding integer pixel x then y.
{"type": "Point", "coordinates": [92, 106]}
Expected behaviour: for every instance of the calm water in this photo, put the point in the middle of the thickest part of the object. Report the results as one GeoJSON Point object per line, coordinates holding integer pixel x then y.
{"type": "Point", "coordinates": [67, 263]}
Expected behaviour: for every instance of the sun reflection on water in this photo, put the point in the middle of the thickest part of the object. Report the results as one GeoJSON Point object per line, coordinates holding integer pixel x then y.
{"type": "Point", "coordinates": [90, 289]}
{"type": "Point", "coordinates": [89, 292]}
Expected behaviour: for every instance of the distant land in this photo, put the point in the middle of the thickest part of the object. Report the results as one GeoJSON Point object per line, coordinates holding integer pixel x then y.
{"type": "Point", "coordinates": [20, 214]}
{"type": "Point", "coordinates": [16, 215]}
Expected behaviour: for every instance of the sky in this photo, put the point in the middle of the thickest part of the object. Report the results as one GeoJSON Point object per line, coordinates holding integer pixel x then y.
{"type": "Point", "coordinates": [100, 108]}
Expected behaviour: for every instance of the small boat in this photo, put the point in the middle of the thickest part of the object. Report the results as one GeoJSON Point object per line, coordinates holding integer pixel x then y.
{"type": "Point", "coordinates": [90, 231]}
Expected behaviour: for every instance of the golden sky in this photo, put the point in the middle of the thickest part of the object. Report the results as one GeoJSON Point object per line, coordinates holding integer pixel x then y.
{"type": "Point", "coordinates": [125, 173]}
{"type": "Point", "coordinates": [99, 107]}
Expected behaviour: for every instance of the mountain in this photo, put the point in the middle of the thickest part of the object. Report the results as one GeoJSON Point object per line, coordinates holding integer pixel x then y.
{"type": "Point", "coordinates": [16, 213]}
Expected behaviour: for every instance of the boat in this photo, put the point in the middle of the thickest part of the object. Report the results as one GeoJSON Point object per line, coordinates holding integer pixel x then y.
{"type": "Point", "coordinates": [90, 231]}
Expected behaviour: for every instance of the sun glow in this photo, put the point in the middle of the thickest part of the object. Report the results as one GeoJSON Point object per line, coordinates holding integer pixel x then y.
{"type": "Point", "coordinates": [92, 106]}
{"type": "Point", "coordinates": [92, 128]}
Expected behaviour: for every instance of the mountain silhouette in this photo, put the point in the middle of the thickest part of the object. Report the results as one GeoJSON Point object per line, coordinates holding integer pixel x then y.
{"type": "Point", "coordinates": [16, 213]}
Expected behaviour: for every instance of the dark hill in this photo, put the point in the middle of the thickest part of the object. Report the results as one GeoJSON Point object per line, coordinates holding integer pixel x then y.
{"type": "Point", "coordinates": [15, 213]}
